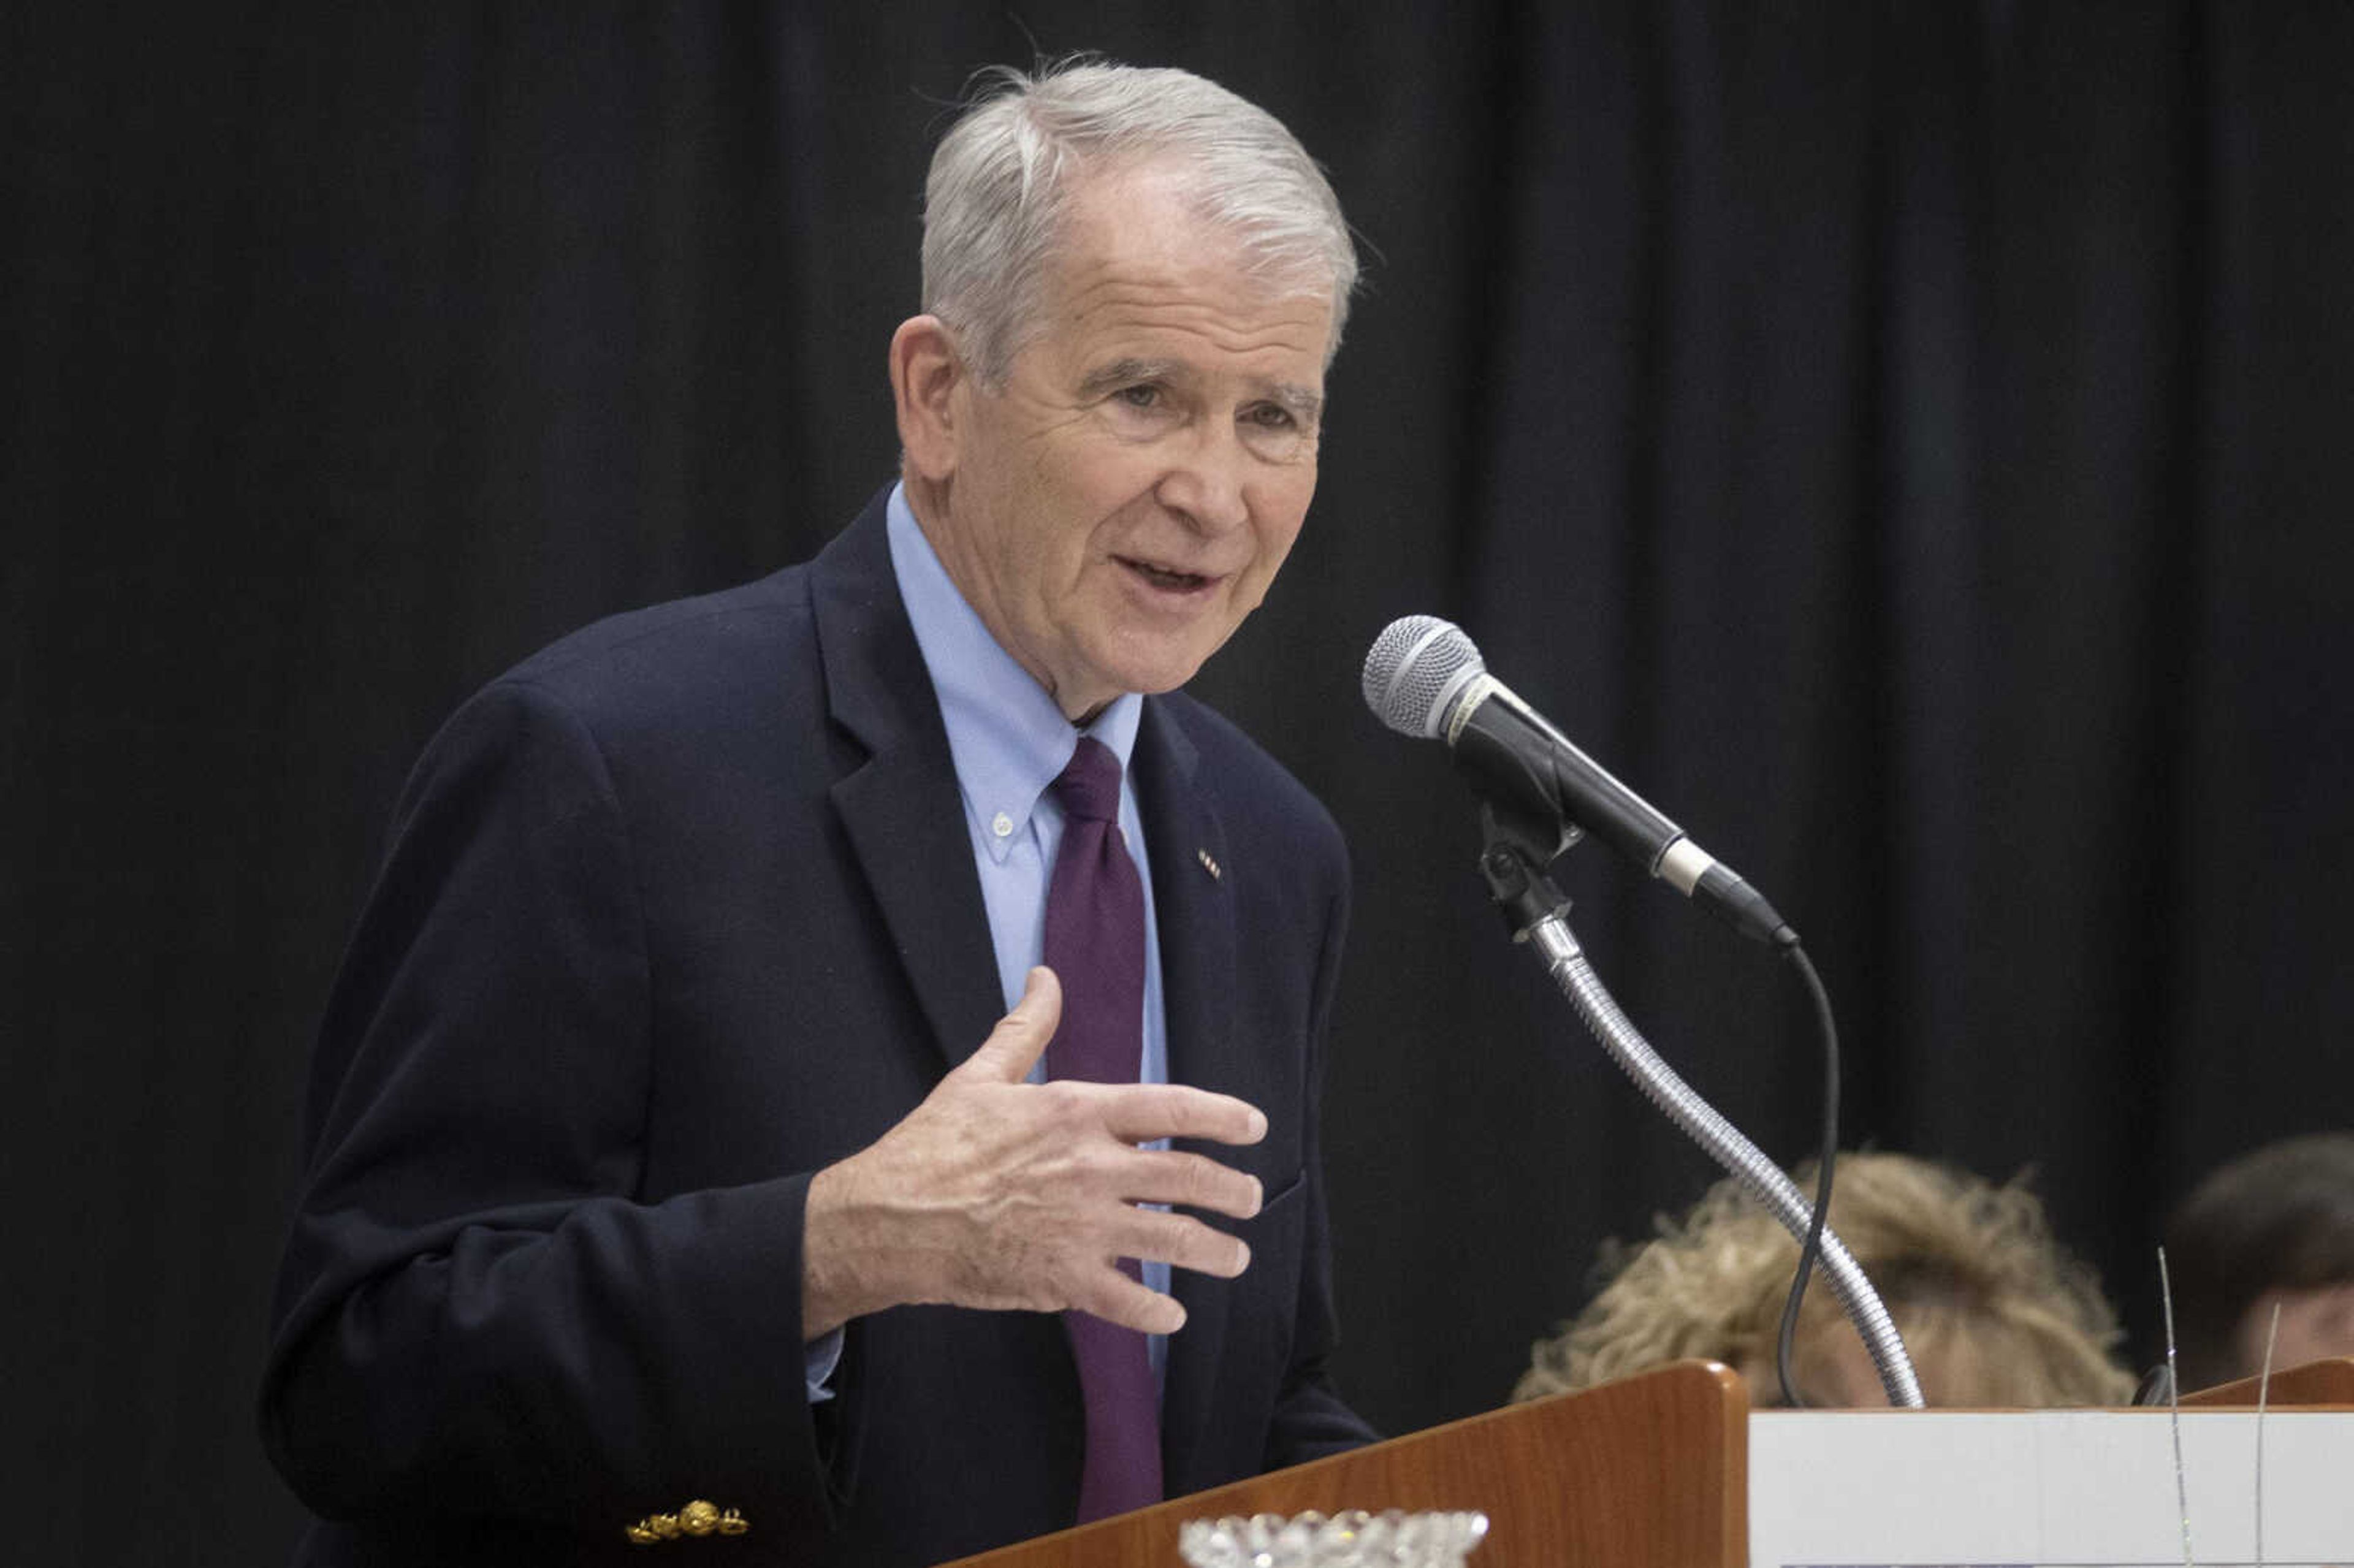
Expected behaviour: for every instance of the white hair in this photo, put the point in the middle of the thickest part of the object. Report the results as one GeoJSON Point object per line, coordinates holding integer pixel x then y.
{"type": "Point", "coordinates": [1001, 181]}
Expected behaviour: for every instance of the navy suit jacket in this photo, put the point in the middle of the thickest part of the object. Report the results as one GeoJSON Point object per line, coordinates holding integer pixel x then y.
{"type": "Point", "coordinates": [677, 912]}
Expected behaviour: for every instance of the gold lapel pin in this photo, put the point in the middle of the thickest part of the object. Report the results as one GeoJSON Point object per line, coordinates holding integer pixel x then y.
{"type": "Point", "coordinates": [1210, 863]}
{"type": "Point", "coordinates": [698, 1518]}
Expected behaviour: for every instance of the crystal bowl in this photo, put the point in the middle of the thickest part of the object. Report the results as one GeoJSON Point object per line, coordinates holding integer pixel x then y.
{"type": "Point", "coordinates": [1353, 1539]}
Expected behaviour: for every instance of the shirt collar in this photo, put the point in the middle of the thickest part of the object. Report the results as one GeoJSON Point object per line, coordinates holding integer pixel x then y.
{"type": "Point", "coordinates": [1007, 737]}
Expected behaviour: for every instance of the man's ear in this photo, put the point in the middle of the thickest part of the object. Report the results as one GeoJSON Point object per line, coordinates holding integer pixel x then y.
{"type": "Point", "coordinates": [926, 376]}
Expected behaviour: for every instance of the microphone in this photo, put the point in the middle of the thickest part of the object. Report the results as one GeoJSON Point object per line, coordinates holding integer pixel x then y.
{"type": "Point", "coordinates": [1425, 678]}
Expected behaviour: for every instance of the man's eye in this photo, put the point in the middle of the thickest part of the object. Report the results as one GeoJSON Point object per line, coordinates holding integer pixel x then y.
{"type": "Point", "coordinates": [1141, 396]}
{"type": "Point", "coordinates": [1279, 420]}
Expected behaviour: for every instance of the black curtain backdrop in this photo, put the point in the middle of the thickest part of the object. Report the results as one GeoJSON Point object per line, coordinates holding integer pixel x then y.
{"type": "Point", "coordinates": [1911, 442]}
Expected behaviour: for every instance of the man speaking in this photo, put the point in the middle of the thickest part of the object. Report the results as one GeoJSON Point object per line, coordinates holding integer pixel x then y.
{"type": "Point", "coordinates": [829, 1072]}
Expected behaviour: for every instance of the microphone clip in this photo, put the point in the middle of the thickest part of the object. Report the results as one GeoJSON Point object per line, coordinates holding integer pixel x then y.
{"type": "Point", "coordinates": [1512, 862]}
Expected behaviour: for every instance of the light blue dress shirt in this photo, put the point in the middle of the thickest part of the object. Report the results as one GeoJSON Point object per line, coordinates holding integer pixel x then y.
{"type": "Point", "coordinates": [1009, 742]}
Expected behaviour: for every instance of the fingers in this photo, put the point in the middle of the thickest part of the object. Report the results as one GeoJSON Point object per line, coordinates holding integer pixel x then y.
{"type": "Point", "coordinates": [1132, 1113]}
{"type": "Point", "coordinates": [1115, 1298]}
{"type": "Point", "coordinates": [1030, 1194]}
{"type": "Point", "coordinates": [1020, 1038]}
{"type": "Point", "coordinates": [1181, 1240]}
{"type": "Point", "coordinates": [1189, 1180]}
{"type": "Point", "coordinates": [1141, 1113]}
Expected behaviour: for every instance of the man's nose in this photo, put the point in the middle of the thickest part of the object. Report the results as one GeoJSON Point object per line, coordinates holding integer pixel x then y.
{"type": "Point", "coordinates": [1206, 481]}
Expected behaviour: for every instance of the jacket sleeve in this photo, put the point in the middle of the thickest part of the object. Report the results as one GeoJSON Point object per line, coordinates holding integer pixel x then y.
{"type": "Point", "coordinates": [477, 1314]}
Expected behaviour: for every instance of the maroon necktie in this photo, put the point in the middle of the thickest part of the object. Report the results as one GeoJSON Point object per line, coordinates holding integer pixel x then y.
{"type": "Point", "coordinates": [1095, 945]}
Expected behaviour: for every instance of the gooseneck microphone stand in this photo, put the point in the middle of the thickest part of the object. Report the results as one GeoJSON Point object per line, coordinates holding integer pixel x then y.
{"type": "Point", "coordinates": [1512, 858]}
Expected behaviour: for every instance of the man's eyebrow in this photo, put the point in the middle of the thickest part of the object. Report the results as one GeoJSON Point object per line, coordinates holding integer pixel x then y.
{"type": "Point", "coordinates": [1304, 402]}
{"type": "Point", "coordinates": [1106, 380]}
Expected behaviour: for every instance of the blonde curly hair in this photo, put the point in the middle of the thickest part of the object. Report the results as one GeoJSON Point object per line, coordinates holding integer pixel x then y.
{"type": "Point", "coordinates": [1993, 1311]}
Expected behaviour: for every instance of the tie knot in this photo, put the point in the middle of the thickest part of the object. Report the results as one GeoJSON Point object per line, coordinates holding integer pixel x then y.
{"type": "Point", "coordinates": [1089, 787]}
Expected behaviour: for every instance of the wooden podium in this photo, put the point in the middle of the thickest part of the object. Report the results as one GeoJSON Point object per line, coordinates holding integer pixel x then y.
{"type": "Point", "coordinates": [1649, 1472]}
{"type": "Point", "coordinates": [2328, 1382]}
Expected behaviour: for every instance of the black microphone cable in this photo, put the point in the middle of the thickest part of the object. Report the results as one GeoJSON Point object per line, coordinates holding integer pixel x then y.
{"type": "Point", "coordinates": [1811, 1247]}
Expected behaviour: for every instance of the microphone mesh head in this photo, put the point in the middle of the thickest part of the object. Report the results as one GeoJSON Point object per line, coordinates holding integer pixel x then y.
{"type": "Point", "coordinates": [1414, 667]}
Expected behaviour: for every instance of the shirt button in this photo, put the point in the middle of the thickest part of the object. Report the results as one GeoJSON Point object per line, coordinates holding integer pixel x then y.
{"type": "Point", "coordinates": [1002, 826]}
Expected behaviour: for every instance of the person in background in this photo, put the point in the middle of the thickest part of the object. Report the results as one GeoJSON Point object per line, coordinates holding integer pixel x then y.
{"type": "Point", "coordinates": [2275, 1228]}
{"type": "Point", "coordinates": [1992, 1310]}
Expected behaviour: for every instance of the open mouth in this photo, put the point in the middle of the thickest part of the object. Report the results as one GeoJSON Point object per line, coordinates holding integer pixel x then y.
{"type": "Point", "coordinates": [1165, 579]}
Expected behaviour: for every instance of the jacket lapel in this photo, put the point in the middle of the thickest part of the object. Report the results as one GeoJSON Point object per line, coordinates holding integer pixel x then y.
{"type": "Point", "coordinates": [904, 819]}
{"type": "Point", "coordinates": [900, 807]}
{"type": "Point", "coordinates": [1196, 914]}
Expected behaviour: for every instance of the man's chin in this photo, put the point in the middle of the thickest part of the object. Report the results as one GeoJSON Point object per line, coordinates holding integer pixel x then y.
{"type": "Point", "coordinates": [1151, 676]}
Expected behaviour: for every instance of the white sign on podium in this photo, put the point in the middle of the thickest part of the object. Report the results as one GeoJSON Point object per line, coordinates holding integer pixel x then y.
{"type": "Point", "coordinates": [2049, 1488]}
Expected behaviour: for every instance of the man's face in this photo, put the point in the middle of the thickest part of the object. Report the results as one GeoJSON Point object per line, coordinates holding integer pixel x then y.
{"type": "Point", "coordinates": [1124, 500]}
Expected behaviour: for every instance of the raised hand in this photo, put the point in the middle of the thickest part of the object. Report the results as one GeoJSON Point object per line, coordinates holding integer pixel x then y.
{"type": "Point", "coordinates": [998, 1193]}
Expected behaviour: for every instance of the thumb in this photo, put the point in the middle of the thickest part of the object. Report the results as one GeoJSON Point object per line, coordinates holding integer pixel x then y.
{"type": "Point", "coordinates": [1020, 1038]}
